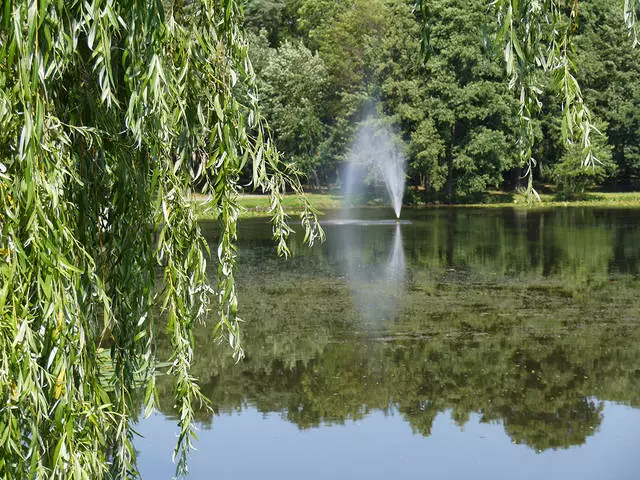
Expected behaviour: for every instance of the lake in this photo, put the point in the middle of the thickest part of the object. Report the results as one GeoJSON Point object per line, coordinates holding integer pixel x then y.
{"type": "Point", "coordinates": [458, 344]}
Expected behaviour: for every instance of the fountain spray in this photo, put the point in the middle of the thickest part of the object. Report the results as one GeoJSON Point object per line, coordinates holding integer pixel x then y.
{"type": "Point", "coordinates": [376, 155]}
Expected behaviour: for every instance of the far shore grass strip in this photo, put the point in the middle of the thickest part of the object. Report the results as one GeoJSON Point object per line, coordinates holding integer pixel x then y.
{"type": "Point", "coordinates": [258, 205]}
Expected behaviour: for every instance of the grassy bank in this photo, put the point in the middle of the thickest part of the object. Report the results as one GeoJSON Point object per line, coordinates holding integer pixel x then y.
{"type": "Point", "coordinates": [258, 205]}
{"type": "Point", "coordinates": [588, 199]}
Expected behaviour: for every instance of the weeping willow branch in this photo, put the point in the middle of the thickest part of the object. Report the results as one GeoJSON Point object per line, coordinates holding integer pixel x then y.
{"type": "Point", "coordinates": [631, 8]}
{"type": "Point", "coordinates": [110, 111]}
{"type": "Point", "coordinates": [537, 36]}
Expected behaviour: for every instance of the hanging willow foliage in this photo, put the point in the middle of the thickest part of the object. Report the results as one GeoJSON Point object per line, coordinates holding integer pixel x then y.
{"type": "Point", "coordinates": [110, 111]}
{"type": "Point", "coordinates": [536, 36]}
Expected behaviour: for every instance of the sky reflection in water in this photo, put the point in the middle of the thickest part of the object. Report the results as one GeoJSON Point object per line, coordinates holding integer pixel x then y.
{"type": "Point", "coordinates": [251, 445]}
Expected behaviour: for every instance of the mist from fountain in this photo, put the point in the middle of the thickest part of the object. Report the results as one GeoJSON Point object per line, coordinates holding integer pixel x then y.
{"type": "Point", "coordinates": [375, 157]}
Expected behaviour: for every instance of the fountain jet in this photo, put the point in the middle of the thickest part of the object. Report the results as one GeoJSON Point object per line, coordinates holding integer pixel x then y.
{"type": "Point", "coordinates": [375, 157]}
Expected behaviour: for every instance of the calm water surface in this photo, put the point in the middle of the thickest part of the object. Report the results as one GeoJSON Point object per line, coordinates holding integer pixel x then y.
{"type": "Point", "coordinates": [461, 344]}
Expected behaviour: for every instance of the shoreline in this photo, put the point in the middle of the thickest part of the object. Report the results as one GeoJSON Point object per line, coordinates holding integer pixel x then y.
{"type": "Point", "coordinates": [256, 205]}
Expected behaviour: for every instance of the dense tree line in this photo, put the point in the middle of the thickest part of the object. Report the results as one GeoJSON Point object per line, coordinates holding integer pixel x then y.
{"type": "Point", "coordinates": [324, 66]}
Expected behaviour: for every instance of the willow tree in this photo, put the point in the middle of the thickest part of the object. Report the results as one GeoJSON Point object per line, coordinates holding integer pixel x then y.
{"type": "Point", "coordinates": [536, 39]}
{"type": "Point", "coordinates": [110, 111]}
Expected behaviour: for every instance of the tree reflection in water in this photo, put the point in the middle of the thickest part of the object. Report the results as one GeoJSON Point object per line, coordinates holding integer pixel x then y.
{"type": "Point", "coordinates": [528, 320]}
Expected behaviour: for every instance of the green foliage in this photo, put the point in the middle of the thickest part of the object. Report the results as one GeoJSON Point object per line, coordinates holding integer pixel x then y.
{"type": "Point", "coordinates": [265, 14]}
{"type": "Point", "coordinates": [570, 175]}
{"type": "Point", "coordinates": [631, 9]}
{"type": "Point", "coordinates": [539, 35]}
{"type": "Point", "coordinates": [375, 54]}
{"type": "Point", "coordinates": [293, 102]}
{"type": "Point", "coordinates": [570, 66]}
{"type": "Point", "coordinates": [314, 16]}
{"type": "Point", "coordinates": [571, 178]}
{"type": "Point", "coordinates": [428, 151]}
{"type": "Point", "coordinates": [343, 40]}
{"type": "Point", "coordinates": [610, 75]}
{"type": "Point", "coordinates": [465, 96]}
{"type": "Point", "coordinates": [109, 113]}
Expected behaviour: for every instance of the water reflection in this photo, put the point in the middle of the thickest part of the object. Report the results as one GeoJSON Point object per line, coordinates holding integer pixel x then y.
{"type": "Point", "coordinates": [397, 265]}
{"type": "Point", "coordinates": [527, 322]}
{"type": "Point", "coordinates": [255, 444]}
{"type": "Point", "coordinates": [377, 284]}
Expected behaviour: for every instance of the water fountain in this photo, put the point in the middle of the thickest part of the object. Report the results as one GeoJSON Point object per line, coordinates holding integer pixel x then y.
{"type": "Point", "coordinates": [375, 157]}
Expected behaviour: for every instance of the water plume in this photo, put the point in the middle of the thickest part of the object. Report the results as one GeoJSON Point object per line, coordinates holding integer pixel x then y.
{"type": "Point", "coordinates": [375, 157]}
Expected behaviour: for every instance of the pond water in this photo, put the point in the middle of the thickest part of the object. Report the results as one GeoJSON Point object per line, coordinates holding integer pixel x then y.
{"type": "Point", "coordinates": [461, 343]}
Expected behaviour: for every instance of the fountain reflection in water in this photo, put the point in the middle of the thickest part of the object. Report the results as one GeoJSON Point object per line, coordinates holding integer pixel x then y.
{"type": "Point", "coordinates": [375, 157]}
{"type": "Point", "coordinates": [396, 265]}
{"type": "Point", "coordinates": [377, 283]}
